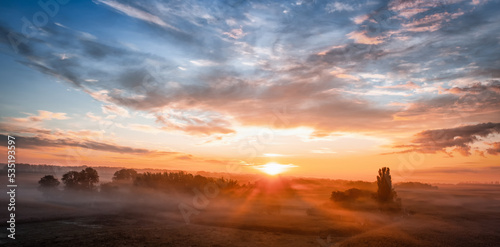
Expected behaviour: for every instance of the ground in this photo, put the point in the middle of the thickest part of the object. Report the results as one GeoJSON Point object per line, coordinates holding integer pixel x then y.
{"type": "Point", "coordinates": [453, 215]}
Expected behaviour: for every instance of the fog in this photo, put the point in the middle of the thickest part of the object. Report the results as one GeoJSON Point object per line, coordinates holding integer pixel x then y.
{"type": "Point", "coordinates": [275, 211]}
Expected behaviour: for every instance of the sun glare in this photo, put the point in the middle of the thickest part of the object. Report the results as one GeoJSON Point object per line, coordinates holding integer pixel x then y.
{"type": "Point", "coordinates": [273, 168]}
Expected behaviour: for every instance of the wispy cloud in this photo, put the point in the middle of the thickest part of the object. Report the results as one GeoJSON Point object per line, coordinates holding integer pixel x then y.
{"type": "Point", "coordinates": [338, 7]}
{"type": "Point", "coordinates": [113, 109]}
{"type": "Point", "coordinates": [42, 115]}
{"type": "Point", "coordinates": [135, 13]}
{"type": "Point", "coordinates": [361, 37]}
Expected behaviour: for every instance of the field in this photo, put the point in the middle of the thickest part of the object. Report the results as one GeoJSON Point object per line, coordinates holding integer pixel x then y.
{"type": "Point", "coordinates": [452, 215]}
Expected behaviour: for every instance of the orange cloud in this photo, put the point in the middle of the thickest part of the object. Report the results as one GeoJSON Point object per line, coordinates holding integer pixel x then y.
{"type": "Point", "coordinates": [42, 115]}
{"type": "Point", "coordinates": [495, 149]}
{"type": "Point", "coordinates": [361, 38]}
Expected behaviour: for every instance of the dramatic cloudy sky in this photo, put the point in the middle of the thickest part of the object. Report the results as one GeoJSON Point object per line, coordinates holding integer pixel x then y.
{"type": "Point", "coordinates": [330, 88]}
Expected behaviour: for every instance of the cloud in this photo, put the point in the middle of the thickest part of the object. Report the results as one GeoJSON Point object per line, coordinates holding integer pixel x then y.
{"type": "Point", "coordinates": [42, 115]}
{"type": "Point", "coordinates": [492, 87]}
{"type": "Point", "coordinates": [399, 5]}
{"type": "Point", "coordinates": [194, 122]}
{"type": "Point", "coordinates": [203, 63]}
{"type": "Point", "coordinates": [140, 127]}
{"type": "Point", "coordinates": [113, 109]}
{"type": "Point", "coordinates": [360, 19]}
{"type": "Point", "coordinates": [495, 149]}
{"type": "Point", "coordinates": [407, 86]}
{"type": "Point", "coordinates": [468, 103]}
{"type": "Point", "coordinates": [362, 38]}
{"type": "Point", "coordinates": [41, 139]}
{"type": "Point", "coordinates": [135, 13]}
{"type": "Point", "coordinates": [20, 128]}
{"type": "Point", "coordinates": [457, 139]}
{"type": "Point", "coordinates": [16, 128]}
{"type": "Point", "coordinates": [478, 2]}
{"type": "Point", "coordinates": [93, 117]}
{"type": "Point", "coordinates": [430, 23]}
{"type": "Point", "coordinates": [36, 142]}
{"type": "Point", "coordinates": [338, 7]}
{"type": "Point", "coordinates": [236, 33]}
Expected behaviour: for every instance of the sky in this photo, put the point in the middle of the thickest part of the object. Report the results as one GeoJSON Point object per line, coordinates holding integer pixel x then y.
{"type": "Point", "coordinates": [333, 89]}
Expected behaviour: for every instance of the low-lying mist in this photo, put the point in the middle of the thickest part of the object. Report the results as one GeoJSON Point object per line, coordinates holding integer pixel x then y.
{"type": "Point", "coordinates": [324, 212]}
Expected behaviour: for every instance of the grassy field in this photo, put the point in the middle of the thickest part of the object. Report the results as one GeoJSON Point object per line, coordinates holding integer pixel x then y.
{"type": "Point", "coordinates": [453, 215]}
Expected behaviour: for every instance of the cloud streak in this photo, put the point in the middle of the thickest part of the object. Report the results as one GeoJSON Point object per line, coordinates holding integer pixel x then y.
{"type": "Point", "coordinates": [457, 139]}
{"type": "Point", "coordinates": [42, 116]}
{"type": "Point", "coordinates": [136, 13]}
{"type": "Point", "coordinates": [40, 143]}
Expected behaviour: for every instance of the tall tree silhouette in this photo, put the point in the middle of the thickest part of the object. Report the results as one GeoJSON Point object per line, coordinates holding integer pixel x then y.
{"type": "Point", "coordinates": [385, 191]}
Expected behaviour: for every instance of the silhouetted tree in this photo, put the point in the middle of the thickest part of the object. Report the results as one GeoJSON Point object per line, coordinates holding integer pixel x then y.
{"type": "Point", "coordinates": [88, 178]}
{"type": "Point", "coordinates": [48, 183]}
{"type": "Point", "coordinates": [385, 192]}
{"type": "Point", "coordinates": [71, 180]}
{"type": "Point", "coordinates": [125, 174]}
{"type": "Point", "coordinates": [182, 181]}
{"type": "Point", "coordinates": [84, 180]}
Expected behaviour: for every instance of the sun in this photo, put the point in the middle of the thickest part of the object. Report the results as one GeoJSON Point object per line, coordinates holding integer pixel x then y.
{"type": "Point", "coordinates": [273, 168]}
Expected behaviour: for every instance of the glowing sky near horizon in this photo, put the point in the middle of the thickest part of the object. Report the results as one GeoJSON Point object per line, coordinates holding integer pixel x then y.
{"type": "Point", "coordinates": [334, 88]}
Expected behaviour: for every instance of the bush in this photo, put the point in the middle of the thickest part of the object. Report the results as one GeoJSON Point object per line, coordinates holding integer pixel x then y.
{"type": "Point", "coordinates": [350, 195]}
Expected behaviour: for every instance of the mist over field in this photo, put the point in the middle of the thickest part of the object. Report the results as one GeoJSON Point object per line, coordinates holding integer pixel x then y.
{"type": "Point", "coordinates": [269, 211]}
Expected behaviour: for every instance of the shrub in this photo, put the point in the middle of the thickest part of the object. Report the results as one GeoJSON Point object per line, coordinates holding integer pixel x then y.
{"type": "Point", "coordinates": [350, 195]}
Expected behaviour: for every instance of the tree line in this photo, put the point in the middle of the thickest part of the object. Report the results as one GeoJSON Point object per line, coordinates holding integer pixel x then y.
{"type": "Point", "coordinates": [87, 180]}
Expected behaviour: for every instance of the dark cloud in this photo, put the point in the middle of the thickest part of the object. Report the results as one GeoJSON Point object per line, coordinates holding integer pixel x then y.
{"type": "Point", "coordinates": [495, 148]}
{"type": "Point", "coordinates": [458, 139]}
{"type": "Point", "coordinates": [351, 52]}
{"type": "Point", "coordinates": [99, 51]}
{"type": "Point", "coordinates": [9, 128]}
{"type": "Point", "coordinates": [25, 142]}
{"type": "Point", "coordinates": [61, 72]}
{"type": "Point", "coordinates": [492, 88]}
